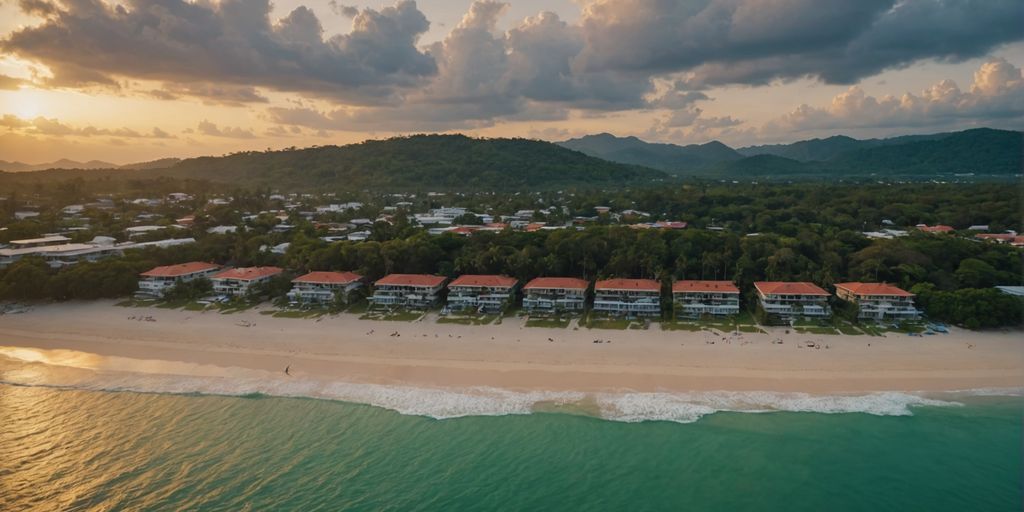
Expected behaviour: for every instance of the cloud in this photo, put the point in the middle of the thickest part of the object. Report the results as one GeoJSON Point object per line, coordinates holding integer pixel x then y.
{"type": "Point", "coordinates": [55, 128]}
{"type": "Point", "coordinates": [347, 11]}
{"type": "Point", "coordinates": [89, 42]}
{"type": "Point", "coordinates": [755, 42]}
{"type": "Point", "coordinates": [10, 83]}
{"type": "Point", "coordinates": [621, 55]}
{"type": "Point", "coordinates": [207, 128]}
{"type": "Point", "coordinates": [11, 121]}
{"type": "Point", "coordinates": [997, 93]}
{"type": "Point", "coordinates": [210, 93]}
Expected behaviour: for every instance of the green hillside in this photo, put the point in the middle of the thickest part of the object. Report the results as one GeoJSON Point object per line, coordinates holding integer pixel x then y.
{"type": "Point", "coordinates": [419, 161]}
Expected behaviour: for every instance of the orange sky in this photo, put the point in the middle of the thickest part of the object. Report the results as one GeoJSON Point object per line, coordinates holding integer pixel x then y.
{"type": "Point", "coordinates": [177, 78]}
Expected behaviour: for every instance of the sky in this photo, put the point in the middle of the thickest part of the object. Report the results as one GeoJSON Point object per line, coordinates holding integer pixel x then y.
{"type": "Point", "coordinates": [135, 80]}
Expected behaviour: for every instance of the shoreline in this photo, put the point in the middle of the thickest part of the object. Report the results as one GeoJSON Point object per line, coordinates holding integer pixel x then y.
{"type": "Point", "coordinates": [512, 357]}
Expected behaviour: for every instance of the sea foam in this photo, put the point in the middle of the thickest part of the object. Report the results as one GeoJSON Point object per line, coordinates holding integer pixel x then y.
{"type": "Point", "coordinates": [32, 369]}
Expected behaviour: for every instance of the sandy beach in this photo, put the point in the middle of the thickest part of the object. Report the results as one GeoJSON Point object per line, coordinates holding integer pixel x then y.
{"type": "Point", "coordinates": [515, 357]}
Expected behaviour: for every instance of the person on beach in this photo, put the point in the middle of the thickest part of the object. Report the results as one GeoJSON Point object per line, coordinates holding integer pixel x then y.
{"type": "Point", "coordinates": [287, 370]}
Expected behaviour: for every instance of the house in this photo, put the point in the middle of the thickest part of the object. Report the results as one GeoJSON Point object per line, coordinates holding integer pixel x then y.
{"type": "Point", "coordinates": [484, 293]}
{"type": "Point", "coordinates": [670, 224]}
{"type": "Point", "coordinates": [790, 300]}
{"type": "Point", "coordinates": [324, 287]}
{"type": "Point", "coordinates": [57, 253]}
{"type": "Point", "coordinates": [879, 301]}
{"type": "Point", "coordinates": [222, 230]}
{"type": "Point", "coordinates": [157, 281]}
{"type": "Point", "coordinates": [237, 282]}
{"type": "Point", "coordinates": [924, 228]}
{"type": "Point", "coordinates": [629, 297]}
{"type": "Point", "coordinates": [418, 291]}
{"type": "Point", "coordinates": [695, 298]}
{"type": "Point", "coordinates": [1017, 291]}
{"type": "Point", "coordinates": [554, 295]}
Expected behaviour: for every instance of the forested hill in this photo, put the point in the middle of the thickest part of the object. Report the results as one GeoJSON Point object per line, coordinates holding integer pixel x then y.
{"type": "Point", "coordinates": [453, 162]}
{"type": "Point", "coordinates": [980, 151]}
{"type": "Point", "coordinates": [667, 157]}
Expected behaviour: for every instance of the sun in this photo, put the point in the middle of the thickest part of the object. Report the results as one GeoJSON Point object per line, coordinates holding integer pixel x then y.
{"type": "Point", "coordinates": [25, 102]}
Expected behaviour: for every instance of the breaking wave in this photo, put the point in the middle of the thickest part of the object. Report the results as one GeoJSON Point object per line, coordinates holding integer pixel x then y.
{"type": "Point", "coordinates": [76, 370]}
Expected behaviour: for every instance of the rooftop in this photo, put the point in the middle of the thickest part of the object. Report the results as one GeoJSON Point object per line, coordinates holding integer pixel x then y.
{"type": "Point", "coordinates": [705, 286]}
{"type": "Point", "coordinates": [492, 281]}
{"type": "Point", "coordinates": [426, 280]}
{"type": "Point", "coordinates": [788, 288]}
{"type": "Point", "coordinates": [328, 278]}
{"type": "Point", "coordinates": [874, 289]}
{"type": "Point", "coordinates": [181, 269]}
{"type": "Point", "coordinates": [43, 240]}
{"type": "Point", "coordinates": [545, 283]}
{"type": "Point", "coordinates": [247, 273]}
{"type": "Point", "coordinates": [648, 285]}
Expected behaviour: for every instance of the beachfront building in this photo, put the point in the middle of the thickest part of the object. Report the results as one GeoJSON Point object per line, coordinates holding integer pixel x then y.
{"type": "Point", "coordinates": [879, 301]}
{"type": "Point", "coordinates": [792, 300]}
{"type": "Point", "coordinates": [548, 295]}
{"type": "Point", "coordinates": [157, 281]}
{"type": "Point", "coordinates": [483, 293]}
{"type": "Point", "coordinates": [416, 291]}
{"type": "Point", "coordinates": [57, 252]}
{"type": "Point", "coordinates": [628, 297]}
{"type": "Point", "coordinates": [696, 298]}
{"type": "Point", "coordinates": [324, 287]}
{"type": "Point", "coordinates": [237, 282]}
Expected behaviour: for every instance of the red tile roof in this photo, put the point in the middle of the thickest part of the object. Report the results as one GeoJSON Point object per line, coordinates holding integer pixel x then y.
{"type": "Point", "coordinates": [934, 229]}
{"type": "Point", "coordinates": [874, 289]}
{"type": "Point", "coordinates": [1004, 237]}
{"type": "Point", "coordinates": [665, 224]}
{"type": "Point", "coordinates": [411, 280]}
{"type": "Point", "coordinates": [704, 286]}
{"type": "Point", "coordinates": [480, 281]}
{"type": "Point", "coordinates": [648, 285]}
{"type": "Point", "coordinates": [247, 273]}
{"type": "Point", "coordinates": [787, 288]}
{"type": "Point", "coordinates": [328, 278]}
{"type": "Point", "coordinates": [181, 269]}
{"type": "Point", "coordinates": [547, 283]}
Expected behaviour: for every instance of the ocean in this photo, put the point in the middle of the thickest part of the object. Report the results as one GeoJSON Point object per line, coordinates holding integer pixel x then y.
{"type": "Point", "coordinates": [76, 439]}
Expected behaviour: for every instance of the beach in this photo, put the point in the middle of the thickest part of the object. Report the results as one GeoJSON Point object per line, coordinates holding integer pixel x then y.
{"type": "Point", "coordinates": [510, 356]}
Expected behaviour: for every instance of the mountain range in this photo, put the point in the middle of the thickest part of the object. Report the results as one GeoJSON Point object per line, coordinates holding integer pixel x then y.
{"type": "Point", "coordinates": [64, 163]}
{"type": "Point", "coordinates": [979, 151]}
{"type": "Point", "coordinates": [458, 162]}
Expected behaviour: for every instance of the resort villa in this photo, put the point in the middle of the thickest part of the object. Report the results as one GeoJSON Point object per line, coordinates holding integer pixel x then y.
{"type": "Point", "coordinates": [790, 300]}
{"type": "Point", "coordinates": [236, 282]}
{"type": "Point", "coordinates": [554, 295]}
{"type": "Point", "coordinates": [628, 297]}
{"type": "Point", "coordinates": [481, 292]}
{"type": "Point", "coordinates": [324, 287]}
{"type": "Point", "coordinates": [695, 298]}
{"type": "Point", "coordinates": [154, 283]}
{"type": "Point", "coordinates": [879, 301]}
{"type": "Point", "coordinates": [417, 291]}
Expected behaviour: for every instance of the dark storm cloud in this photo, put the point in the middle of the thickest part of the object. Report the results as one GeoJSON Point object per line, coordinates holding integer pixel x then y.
{"type": "Point", "coordinates": [86, 42]}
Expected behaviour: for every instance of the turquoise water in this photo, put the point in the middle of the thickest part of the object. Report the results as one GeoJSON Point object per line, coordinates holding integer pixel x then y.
{"type": "Point", "coordinates": [67, 449]}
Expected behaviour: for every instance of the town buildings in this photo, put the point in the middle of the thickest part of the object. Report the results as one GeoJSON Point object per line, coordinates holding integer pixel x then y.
{"type": "Point", "coordinates": [628, 297]}
{"type": "Point", "coordinates": [549, 295]}
{"type": "Point", "coordinates": [483, 293]}
{"type": "Point", "coordinates": [237, 282]}
{"type": "Point", "coordinates": [416, 291]}
{"type": "Point", "coordinates": [879, 301]}
{"type": "Point", "coordinates": [791, 300]}
{"type": "Point", "coordinates": [156, 282]}
{"type": "Point", "coordinates": [324, 287]}
{"type": "Point", "coordinates": [696, 298]}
